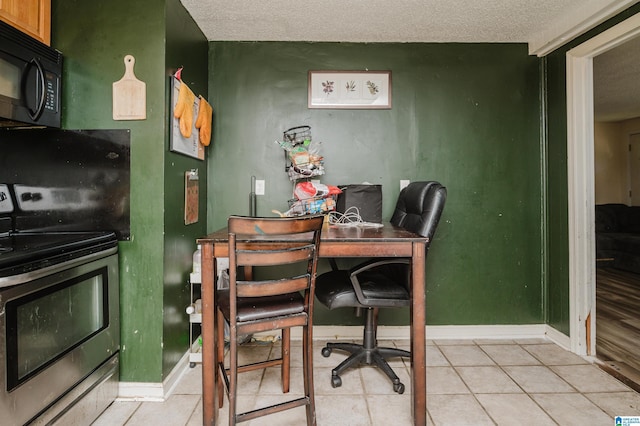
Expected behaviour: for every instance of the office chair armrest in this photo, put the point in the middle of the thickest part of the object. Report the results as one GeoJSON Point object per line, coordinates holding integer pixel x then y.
{"type": "Point", "coordinates": [376, 262]}
{"type": "Point", "coordinates": [368, 265]}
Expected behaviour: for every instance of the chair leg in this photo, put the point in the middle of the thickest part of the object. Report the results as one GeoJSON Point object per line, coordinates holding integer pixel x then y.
{"type": "Point", "coordinates": [233, 373]}
{"type": "Point", "coordinates": [220, 321]}
{"type": "Point", "coordinates": [307, 367]}
{"type": "Point", "coordinates": [379, 361]}
{"type": "Point", "coordinates": [368, 353]}
{"type": "Point", "coordinates": [358, 356]}
{"type": "Point", "coordinates": [393, 353]}
{"type": "Point", "coordinates": [286, 359]}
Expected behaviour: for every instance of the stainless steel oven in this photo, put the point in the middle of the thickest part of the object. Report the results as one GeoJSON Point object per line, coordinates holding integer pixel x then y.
{"type": "Point", "coordinates": [59, 327]}
{"type": "Point", "coordinates": [64, 198]}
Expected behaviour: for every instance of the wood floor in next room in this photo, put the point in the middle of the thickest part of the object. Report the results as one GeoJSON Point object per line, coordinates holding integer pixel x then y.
{"type": "Point", "coordinates": [618, 322]}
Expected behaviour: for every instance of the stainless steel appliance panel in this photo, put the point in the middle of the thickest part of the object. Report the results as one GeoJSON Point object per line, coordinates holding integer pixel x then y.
{"type": "Point", "coordinates": [67, 180]}
{"type": "Point", "coordinates": [86, 401]}
{"type": "Point", "coordinates": [55, 331]}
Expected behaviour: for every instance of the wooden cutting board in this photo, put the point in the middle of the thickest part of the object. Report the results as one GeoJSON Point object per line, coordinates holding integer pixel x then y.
{"type": "Point", "coordinates": [129, 95]}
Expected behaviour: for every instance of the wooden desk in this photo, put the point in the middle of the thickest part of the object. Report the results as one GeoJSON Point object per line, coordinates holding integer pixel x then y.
{"type": "Point", "coordinates": [388, 241]}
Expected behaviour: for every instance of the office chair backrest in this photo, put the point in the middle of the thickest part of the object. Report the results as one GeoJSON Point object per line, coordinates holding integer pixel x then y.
{"type": "Point", "coordinates": [419, 207]}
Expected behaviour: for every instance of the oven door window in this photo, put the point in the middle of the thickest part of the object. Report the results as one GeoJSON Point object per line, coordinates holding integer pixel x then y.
{"type": "Point", "coordinates": [53, 321]}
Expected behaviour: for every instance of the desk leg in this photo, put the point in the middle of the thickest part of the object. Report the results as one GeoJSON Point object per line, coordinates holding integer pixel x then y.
{"type": "Point", "coordinates": [418, 335]}
{"type": "Point", "coordinates": [209, 369]}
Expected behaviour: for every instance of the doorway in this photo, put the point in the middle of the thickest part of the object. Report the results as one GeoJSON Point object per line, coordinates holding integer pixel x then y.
{"type": "Point", "coordinates": [580, 151]}
{"type": "Point", "coordinates": [634, 169]}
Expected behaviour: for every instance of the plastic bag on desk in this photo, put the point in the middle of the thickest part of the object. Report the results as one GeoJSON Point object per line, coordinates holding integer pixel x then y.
{"type": "Point", "coordinates": [306, 190]}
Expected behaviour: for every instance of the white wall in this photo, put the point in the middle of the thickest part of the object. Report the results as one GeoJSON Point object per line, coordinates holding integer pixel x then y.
{"type": "Point", "coordinates": [611, 141]}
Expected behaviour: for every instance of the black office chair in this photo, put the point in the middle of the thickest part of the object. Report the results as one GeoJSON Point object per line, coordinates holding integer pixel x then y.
{"type": "Point", "coordinates": [381, 283]}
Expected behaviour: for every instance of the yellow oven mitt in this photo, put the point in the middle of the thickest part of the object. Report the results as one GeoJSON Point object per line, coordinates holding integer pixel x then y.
{"type": "Point", "coordinates": [203, 122]}
{"type": "Point", "coordinates": [184, 109]}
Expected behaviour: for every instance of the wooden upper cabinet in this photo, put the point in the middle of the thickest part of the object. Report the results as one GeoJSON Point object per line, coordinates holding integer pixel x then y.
{"type": "Point", "coordinates": [30, 16]}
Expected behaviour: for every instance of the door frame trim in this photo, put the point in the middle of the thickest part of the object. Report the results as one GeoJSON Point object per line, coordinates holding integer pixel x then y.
{"type": "Point", "coordinates": [630, 169]}
{"type": "Point", "coordinates": [580, 180]}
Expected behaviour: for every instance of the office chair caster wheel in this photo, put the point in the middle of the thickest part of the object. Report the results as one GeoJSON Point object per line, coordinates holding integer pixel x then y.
{"type": "Point", "coordinates": [336, 381]}
{"type": "Point", "coordinates": [398, 387]}
{"type": "Point", "coordinates": [326, 352]}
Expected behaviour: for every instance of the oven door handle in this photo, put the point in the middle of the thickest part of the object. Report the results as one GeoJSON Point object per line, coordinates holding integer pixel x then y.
{"type": "Point", "coordinates": [48, 270]}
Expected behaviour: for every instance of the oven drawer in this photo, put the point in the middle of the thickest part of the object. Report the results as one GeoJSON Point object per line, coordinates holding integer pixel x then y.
{"type": "Point", "coordinates": [83, 404]}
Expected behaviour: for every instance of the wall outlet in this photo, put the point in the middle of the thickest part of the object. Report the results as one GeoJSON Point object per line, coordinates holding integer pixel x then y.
{"type": "Point", "coordinates": [259, 187]}
{"type": "Point", "coordinates": [403, 183]}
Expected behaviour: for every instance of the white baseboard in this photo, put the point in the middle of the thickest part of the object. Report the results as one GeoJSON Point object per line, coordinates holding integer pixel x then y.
{"type": "Point", "coordinates": [352, 332]}
{"type": "Point", "coordinates": [153, 392]}
{"type": "Point", "coordinates": [142, 391]}
{"type": "Point", "coordinates": [446, 332]}
{"type": "Point", "coordinates": [439, 332]}
{"type": "Point", "coordinates": [558, 338]}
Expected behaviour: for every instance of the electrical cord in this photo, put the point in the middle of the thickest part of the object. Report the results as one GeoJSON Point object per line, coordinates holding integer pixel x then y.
{"type": "Point", "coordinates": [351, 217]}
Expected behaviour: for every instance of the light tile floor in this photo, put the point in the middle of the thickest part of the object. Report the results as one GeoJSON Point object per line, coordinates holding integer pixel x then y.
{"type": "Point", "coordinates": [496, 382]}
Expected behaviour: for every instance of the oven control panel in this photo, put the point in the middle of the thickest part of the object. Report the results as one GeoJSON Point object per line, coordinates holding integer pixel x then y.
{"type": "Point", "coordinates": [6, 204]}
{"type": "Point", "coordinates": [38, 198]}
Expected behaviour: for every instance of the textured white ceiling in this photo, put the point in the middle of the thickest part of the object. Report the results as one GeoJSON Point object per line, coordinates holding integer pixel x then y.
{"type": "Point", "coordinates": [543, 24]}
{"type": "Point", "coordinates": [537, 22]}
{"type": "Point", "coordinates": [616, 75]}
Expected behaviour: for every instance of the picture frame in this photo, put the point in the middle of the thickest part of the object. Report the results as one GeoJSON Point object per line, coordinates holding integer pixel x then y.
{"type": "Point", "coordinates": [349, 89]}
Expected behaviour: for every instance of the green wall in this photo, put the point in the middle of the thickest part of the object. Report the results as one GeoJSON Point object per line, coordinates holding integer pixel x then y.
{"type": "Point", "coordinates": [467, 115]}
{"type": "Point", "coordinates": [185, 46]}
{"type": "Point", "coordinates": [94, 38]}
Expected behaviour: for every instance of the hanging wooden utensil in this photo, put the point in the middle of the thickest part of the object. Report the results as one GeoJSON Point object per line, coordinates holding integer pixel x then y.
{"type": "Point", "coordinates": [129, 95]}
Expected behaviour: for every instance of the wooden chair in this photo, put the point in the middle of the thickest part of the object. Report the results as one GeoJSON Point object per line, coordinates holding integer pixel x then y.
{"type": "Point", "coordinates": [251, 305]}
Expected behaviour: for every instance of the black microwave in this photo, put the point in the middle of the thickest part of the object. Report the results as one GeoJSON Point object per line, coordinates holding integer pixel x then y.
{"type": "Point", "coordinates": [30, 80]}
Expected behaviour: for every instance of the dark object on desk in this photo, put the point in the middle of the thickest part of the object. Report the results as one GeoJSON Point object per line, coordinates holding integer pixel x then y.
{"type": "Point", "coordinates": [251, 305]}
{"type": "Point", "coordinates": [618, 236]}
{"type": "Point", "coordinates": [367, 198]}
{"type": "Point", "coordinates": [381, 283]}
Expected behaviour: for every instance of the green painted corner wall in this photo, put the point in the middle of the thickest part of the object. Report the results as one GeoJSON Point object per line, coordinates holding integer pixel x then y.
{"type": "Point", "coordinates": [557, 184]}
{"type": "Point", "coordinates": [467, 115]}
{"type": "Point", "coordinates": [155, 263]}
{"type": "Point", "coordinates": [186, 47]}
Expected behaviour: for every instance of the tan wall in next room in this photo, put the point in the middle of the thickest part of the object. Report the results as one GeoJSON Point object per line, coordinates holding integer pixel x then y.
{"type": "Point", "coordinates": [611, 171]}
